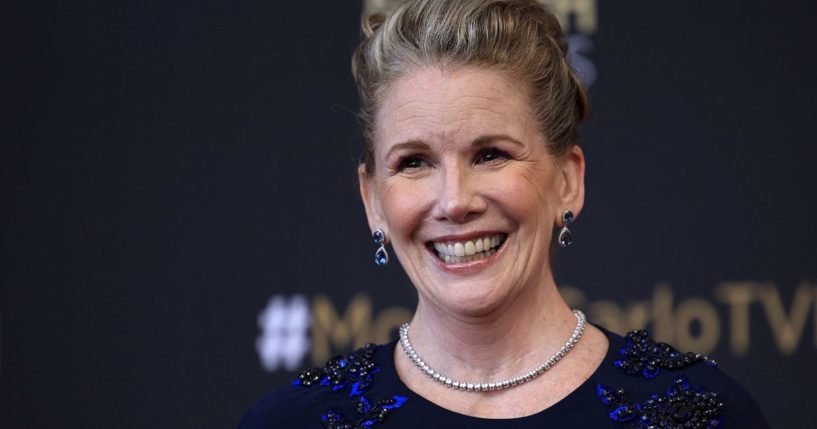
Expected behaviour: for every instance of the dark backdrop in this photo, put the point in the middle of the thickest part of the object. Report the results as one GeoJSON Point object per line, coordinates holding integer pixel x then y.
{"type": "Point", "coordinates": [181, 226]}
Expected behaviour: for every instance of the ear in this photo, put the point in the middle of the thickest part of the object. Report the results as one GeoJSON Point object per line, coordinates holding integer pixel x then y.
{"type": "Point", "coordinates": [374, 214]}
{"type": "Point", "coordinates": [571, 194]}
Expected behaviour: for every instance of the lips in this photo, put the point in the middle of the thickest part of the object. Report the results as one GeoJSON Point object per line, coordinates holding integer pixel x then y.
{"type": "Point", "coordinates": [455, 252]}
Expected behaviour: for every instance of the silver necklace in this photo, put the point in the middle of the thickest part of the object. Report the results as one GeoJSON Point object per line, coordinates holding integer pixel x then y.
{"type": "Point", "coordinates": [498, 385]}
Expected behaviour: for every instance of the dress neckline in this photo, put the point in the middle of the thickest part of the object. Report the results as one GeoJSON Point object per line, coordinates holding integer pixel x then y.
{"type": "Point", "coordinates": [576, 398]}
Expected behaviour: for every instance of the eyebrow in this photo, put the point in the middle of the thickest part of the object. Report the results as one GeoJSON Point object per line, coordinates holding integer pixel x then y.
{"type": "Point", "coordinates": [409, 145]}
{"type": "Point", "coordinates": [486, 140]}
{"type": "Point", "coordinates": [478, 142]}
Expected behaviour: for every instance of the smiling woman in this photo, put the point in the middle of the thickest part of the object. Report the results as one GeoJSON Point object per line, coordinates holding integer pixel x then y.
{"type": "Point", "coordinates": [459, 161]}
{"type": "Point", "coordinates": [472, 163]}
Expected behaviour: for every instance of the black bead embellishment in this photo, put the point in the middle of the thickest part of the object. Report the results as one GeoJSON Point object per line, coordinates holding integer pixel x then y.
{"type": "Point", "coordinates": [680, 407]}
{"type": "Point", "coordinates": [335, 420]}
{"type": "Point", "coordinates": [367, 414]}
{"type": "Point", "coordinates": [356, 367]}
{"type": "Point", "coordinates": [645, 357]}
{"type": "Point", "coordinates": [355, 370]}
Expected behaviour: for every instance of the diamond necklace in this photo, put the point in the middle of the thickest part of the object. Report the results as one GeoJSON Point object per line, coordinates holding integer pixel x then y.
{"type": "Point", "coordinates": [499, 385]}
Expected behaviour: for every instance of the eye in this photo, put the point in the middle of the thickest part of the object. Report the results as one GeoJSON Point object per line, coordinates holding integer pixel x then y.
{"type": "Point", "coordinates": [491, 155]}
{"type": "Point", "coordinates": [411, 162]}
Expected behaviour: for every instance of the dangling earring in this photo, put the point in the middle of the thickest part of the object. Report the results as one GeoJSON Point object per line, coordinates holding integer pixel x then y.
{"type": "Point", "coordinates": [565, 236]}
{"type": "Point", "coordinates": [381, 257]}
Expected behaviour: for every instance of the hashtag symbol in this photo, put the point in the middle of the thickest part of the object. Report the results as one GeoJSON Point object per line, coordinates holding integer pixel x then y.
{"type": "Point", "coordinates": [283, 342]}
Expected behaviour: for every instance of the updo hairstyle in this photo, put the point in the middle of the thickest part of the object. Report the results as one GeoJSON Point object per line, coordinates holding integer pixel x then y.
{"type": "Point", "coordinates": [518, 38]}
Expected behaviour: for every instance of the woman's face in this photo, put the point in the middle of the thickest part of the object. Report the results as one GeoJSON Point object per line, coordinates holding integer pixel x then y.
{"type": "Point", "coordinates": [465, 188]}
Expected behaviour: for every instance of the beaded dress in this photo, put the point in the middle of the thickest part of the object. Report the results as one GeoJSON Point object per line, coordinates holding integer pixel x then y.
{"type": "Point", "coordinates": [640, 384]}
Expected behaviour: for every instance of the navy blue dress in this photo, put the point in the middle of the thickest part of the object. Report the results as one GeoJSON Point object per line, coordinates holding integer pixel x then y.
{"type": "Point", "coordinates": [640, 384]}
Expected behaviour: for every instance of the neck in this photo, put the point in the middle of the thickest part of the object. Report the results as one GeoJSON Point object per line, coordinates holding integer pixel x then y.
{"type": "Point", "coordinates": [502, 343]}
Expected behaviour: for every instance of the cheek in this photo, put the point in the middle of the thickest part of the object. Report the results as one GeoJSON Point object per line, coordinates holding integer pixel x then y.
{"type": "Point", "coordinates": [404, 206]}
{"type": "Point", "coordinates": [525, 190]}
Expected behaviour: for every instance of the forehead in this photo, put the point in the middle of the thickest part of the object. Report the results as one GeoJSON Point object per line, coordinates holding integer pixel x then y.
{"type": "Point", "coordinates": [437, 105]}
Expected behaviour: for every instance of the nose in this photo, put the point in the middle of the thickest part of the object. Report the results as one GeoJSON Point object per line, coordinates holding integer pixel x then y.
{"type": "Point", "coordinates": [458, 197]}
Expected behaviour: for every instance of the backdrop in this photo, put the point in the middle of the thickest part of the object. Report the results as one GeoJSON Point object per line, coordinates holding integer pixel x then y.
{"type": "Point", "coordinates": [181, 227]}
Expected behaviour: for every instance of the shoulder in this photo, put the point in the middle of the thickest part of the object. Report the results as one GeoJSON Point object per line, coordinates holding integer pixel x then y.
{"type": "Point", "coordinates": [328, 396]}
{"type": "Point", "coordinates": [279, 407]}
{"type": "Point", "coordinates": [654, 381]}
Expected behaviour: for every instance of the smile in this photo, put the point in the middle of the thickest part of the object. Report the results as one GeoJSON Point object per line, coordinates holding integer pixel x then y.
{"type": "Point", "coordinates": [455, 252]}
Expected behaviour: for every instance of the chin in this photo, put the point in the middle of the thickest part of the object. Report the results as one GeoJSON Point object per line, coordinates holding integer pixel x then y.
{"type": "Point", "coordinates": [468, 288]}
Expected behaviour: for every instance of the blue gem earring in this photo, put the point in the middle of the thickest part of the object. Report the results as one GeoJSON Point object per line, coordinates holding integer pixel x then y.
{"type": "Point", "coordinates": [565, 236]}
{"type": "Point", "coordinates": [381, 257]}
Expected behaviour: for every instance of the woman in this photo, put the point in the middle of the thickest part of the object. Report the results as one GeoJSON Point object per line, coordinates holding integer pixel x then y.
{"type": "Point", "coordinates": [472, 172]}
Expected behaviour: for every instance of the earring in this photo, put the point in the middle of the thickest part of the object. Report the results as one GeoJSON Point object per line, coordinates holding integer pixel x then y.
{"type": "Point", "coordinates": [381, 257]}
{"type": "Point", "coordinates": [565, 236]}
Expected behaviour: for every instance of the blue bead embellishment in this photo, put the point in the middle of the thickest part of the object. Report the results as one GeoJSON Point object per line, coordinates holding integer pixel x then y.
{"type": "Point", "coordinates": [356, 390]}
{"type": "Point", "coordinates": [645, 357]}
{"type": "Point", "coordinates": [650, 372]}
{"type": "Point", "coordinates": [622, 414]}
{"type": "Point", "coordinates": [355, 370]}
{"type": "Point", "coordinates": [680, 407]}
{"type": "Point", "coordinates": [368, 414]}
{"type": "Point", "coordinates": [356, 367]}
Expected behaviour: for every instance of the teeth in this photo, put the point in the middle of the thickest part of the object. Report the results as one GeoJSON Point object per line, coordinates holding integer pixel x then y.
{"type": "Point", "coordinates": [460, 259]}
{"type": "Point", "coordinates": [472, 250]}
{"type": "Point", "coordinates": [459, 249]}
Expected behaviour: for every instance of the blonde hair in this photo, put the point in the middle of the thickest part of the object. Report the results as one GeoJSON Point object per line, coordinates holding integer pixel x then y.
{"type": "Point", "coordinates": [519, 38]}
